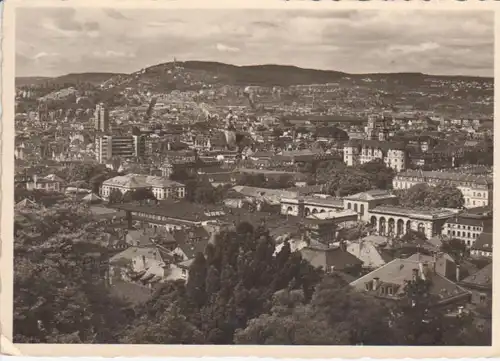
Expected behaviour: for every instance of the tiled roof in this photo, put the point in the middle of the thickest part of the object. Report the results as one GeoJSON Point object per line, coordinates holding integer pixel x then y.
{"type": "Point", "coordinates": [370, 195]}
{"type": "Point", "coordinates": [398, 271]}
{"type": "Point", "coordinates": [140, 181]}
{"type": "Point", "coordinates": [483, 277]}
{"type": "Point", "coordinates": [410, 212]}
{"type": "Point", "coordinates": [448, 176]}
{"type": "Point", "coordinates": [384, 145]}
{"type": "Point", "coordinates": [329, 257]}
{"type": "Point", "coordinates": [484, 242]}
{"type": "Point", "coordinates": [132, 252]}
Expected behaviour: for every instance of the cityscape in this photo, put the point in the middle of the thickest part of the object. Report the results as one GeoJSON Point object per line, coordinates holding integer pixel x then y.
{"type": "Point", "coordinates": [231, 177]}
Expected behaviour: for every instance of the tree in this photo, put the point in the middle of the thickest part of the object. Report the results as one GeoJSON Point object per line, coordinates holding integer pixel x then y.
{"type": "Point", "coordinates": [423, 195]}
{"type": "Point", "coordinates": [115, 196]}
{"type": "Point", "coordinates": [455, 248]}
{"type": "Point", "coordinates": [234, 282]}
{"type": "Point", "coordinates": [379, 174]}
{"type": "Point", "coordinates": [59, 293]}
{"type": "Point", "coordinates": [170, 327]}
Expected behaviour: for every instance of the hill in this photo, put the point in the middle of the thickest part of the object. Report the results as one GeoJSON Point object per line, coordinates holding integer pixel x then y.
{"type": "Point", "coordinates": [66, 80]}
{"type": "Point", "coordinates": [195, 75]}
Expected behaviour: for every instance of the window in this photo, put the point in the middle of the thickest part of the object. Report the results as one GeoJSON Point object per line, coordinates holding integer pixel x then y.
{"type": "Point", "coordinates": [482, 298]}
{"type": "Point", "coordinates": [389, 291]}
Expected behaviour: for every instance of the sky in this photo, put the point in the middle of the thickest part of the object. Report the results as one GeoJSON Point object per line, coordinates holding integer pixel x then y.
{"type": "Point", "coordinates": [58, 41]}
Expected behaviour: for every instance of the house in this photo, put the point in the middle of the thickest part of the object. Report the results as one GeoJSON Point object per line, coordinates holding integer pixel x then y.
{"type": "Point", "coordinates": [331, 259]}
{"type": "Point", "coordinates": [483, 247]}
{"type": "Point", "coordinates": [371, 257]}
{"type": "Point", "coordinates": [50, 183]}
{"type": "Point", "coordinates": [480, 284]}
{"type": "Point", "coordinates": [151, 237]}
{"type": "Point", "coordinates": [389, 282]}
{"type": "Point", "coordinates": [140, 265]}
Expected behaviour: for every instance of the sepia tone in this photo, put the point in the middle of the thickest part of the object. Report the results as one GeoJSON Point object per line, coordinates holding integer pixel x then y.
{"type": "Point", "coordinates": [258, 181]}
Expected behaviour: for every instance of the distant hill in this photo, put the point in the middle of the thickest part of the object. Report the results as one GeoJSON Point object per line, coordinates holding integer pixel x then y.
{"type": "Point", "coordinates": [68, 79]}
{"type": "Point", "coordinates": [193, 75]}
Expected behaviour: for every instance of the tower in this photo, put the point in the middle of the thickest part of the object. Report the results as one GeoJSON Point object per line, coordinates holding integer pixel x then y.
{"type": "Point", "coordinates": [101, 117]}
{"type": "Point", "coordinates": [230, 131]}
{"type": "Point", "coordinates": [371, 128]}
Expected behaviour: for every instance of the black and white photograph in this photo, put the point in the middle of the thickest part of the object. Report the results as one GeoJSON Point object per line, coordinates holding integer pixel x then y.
{"type": "Point", "coordinates": [253, 176]}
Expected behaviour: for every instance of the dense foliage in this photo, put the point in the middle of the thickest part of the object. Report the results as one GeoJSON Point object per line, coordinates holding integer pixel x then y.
{"type": "Point", "coordinates": [342, 180]}
{"type": "Point", "coordinates": [259, 180]}
{"type": "Point", "coordinates": [239, 292]}
{"type": "Point", "coordinates": [423, 195]}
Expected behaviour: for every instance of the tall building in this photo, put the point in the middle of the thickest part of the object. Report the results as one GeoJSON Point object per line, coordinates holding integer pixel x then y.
{"type": "Point", "coordinates": [125, 147]}
{"type": "Point", "coordinates": [101, 117]}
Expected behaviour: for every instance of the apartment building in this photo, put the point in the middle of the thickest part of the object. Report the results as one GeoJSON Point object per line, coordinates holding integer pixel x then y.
{"type": "Point", "coordinates": [476, 189]}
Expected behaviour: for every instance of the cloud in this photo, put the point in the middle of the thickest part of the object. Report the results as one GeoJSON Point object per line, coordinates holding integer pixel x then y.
{"type": "Point", "coordinates": [44, 55]}
{"type": "Point", "coordinates": [113, 54]}
{"type": "Point", "coordinates": [115, 14]}
{"type": "Point", "coordinates": [227, 49]}
{"type": "Point", "coordinates": [90, 39]}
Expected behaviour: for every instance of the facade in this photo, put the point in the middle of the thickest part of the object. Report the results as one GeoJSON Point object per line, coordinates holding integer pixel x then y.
{"type": "Point", "coordinates": [476, 189]}
{"type": "Point", "coordinates": [125, 147]}
{"type": "Point", "coordinates": [397, 221]}
{"type": "Point", "coordinates": [469, 225]}
{"type": "Point", "coordinates": [392, 154]}
{"type": "Point", "coordinates": [309, 205]}
{"type": "Point", "coordinates": [363, 202]}
{"type": "Point", "coordinates": [161, 187]}
{"type": "Point", "coordinates": [101, 118]}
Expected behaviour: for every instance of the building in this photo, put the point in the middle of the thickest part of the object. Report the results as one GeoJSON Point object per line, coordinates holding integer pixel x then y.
{"type": "Point", "coordinates": [50, 183]}
{"type": "Point", "coordinates": [393, 154]}
{"type": "Point", "coordinates": [469, 225]}
{"type": "Point", "coordinates": [125, 147]}
{"type": "Point", "coordinates": [331, 259]}
{"type": "Point", "coordinates": [480, 284]}
{"type": "Point", "coordinates": [363, 202]}
{"type": "Point", "coordinates": [101, 118]}
{"type": "Point", "coordinates": [483, 247]}
{"type": "Point", "coordinates": [389, 281]}
{"type": "Point", "coordinates": [307, 205]}
{"type": "Point", "coordinates": [161, 187]}
{"type": "Point", "coordinates": [397, 221]}
{"type": "Point", "coordinates": [476, 189]}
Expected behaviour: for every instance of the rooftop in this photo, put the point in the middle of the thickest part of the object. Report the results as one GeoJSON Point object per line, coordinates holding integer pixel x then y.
{"type": "Point", "coordinates": [140, 181]}
{"type": "Point", "coordinates": [414, 212]}
{"type": "Point", "coordinates": [484, 242]}
{"type": "Point", "coordinates": [371, 195]}
{"type": "Point", "coordinates": [449, 176]}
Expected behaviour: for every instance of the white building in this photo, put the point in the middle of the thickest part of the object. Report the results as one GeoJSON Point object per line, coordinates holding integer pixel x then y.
{"type": "Point", "coordinates": [161, 187]}
{"type": "Point", "coordinates": [392, 154]}
{"type": "Point", "coordinates": [476, 189]}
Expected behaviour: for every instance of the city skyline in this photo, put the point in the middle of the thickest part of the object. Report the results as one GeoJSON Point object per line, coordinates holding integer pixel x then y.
{"type": "Point", "coordinates": [107, 40]}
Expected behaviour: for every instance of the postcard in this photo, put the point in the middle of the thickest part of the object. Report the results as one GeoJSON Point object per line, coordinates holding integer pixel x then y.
{"type": "Point", "coordinates": [211, 178]}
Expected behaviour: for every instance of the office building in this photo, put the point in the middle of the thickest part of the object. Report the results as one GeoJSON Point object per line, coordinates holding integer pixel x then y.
{"type": "Point", "coordinates": [124, 147]}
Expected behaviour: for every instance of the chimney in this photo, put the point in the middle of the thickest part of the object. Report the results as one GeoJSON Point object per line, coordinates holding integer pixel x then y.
{"type": "Point", "coordinates": [415, 274]}
{"type": "Point", "coordinates": [376, 283]}
{"type": "Point", "coordinates": [457, 273]}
